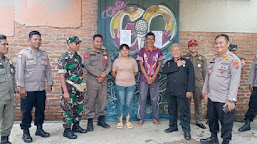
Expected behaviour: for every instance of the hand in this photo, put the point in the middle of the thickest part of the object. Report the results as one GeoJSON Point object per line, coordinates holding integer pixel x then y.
{"type": "Point", "coordinates": [180, 63]}
{"type": "Point", "coordinates": [205, 97]}
{"type": "Point", "coordinates": [151, 80]}
{"type": "Point", "coordinates": [189, 94]}
{"type": "Point", "coordinates": [49, 88]}
{"type": "Point", "coordinates": [103, 74]}
{"type": "Point", "coordinates": [251, 88]}
{"type": "Point", "coordinates": [66, 97]}
{"type": "Point", "coordinates": [243, 63]}
{"type": "Point", "coordinates": [23, 92]}
{"type": "Point", "coordinates": [230, 105]}
{"type": "Point", "coordinates": [17, 97]}
{"type": "Point", "coordinates": [100, 79]}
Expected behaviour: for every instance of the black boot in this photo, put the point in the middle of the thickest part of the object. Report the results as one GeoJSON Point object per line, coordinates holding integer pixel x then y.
{"type": "Point", "coordinates": [246, 126]}
{"type": "Point", "coordinates": [90, 126]}
{"type": "Point", "coordinates": [5, 140]}
{"type": "Point", "coordinates": [26, 136]}
{"type": "Point", "coordinates": [68, 133]}
{"type": "Point", "coordinates": [41, 132]}
{"type": "Point", "coordinates": [211, 140]}
{"type": "Point", "coordinates": [102, 123]}
{"type": "Point", "coordinates": [77, 128]}
{"type": "Point", "coordinates": [225, 142]}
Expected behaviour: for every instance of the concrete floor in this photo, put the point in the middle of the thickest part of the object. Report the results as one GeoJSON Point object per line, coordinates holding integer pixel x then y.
{"type": "Point", "coordinates": [147, 134]}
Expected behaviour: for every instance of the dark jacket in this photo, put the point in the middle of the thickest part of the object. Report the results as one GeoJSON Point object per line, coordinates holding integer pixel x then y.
{"type": "Point", "coordinates": [179, 79]}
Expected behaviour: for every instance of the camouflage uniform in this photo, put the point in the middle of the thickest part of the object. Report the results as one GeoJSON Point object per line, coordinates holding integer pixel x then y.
{"type": "Point", "coordinates": [72, 67]}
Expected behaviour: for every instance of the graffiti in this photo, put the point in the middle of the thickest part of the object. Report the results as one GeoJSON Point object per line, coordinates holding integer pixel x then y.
{"type": "Point", "coordinates": [118, 6]}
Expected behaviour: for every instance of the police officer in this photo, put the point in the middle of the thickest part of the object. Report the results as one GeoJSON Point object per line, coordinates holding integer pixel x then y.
{"type": "Point", "coordinates": [33, 67]}
{"type": "Point", "coordinates": [7, 88]}
{"type": "Point", "coordinates": [200, 66]}
{"type": "Point", "coordinates": [98, 64]}
{"type": "Point", "coordinates": [220, 90]}
{"type": "Point", "coordinates": [232, 48]}
{"type": "Point", "coordinates": [72, 100]}
{"type": "Point", "coordinates": [180, 87]}
{"type": "Point", "coordinates": [252, 111]}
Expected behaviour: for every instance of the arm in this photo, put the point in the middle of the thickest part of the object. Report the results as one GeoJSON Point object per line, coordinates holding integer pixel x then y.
{"type": "Point", "coordinates": [191, 77]}
{"type": "Point", "coordinates": [169, 67]}
{"type": "Point", "coordinates": [89, 68]}
{"type": "Point", "coordinates": [204, 68]}
{"type": "Point", "coordinates": [252, 75]}
{"type": "Point", "coordinates": [49, 76]}
{"type": "Point", "coordinates": [21, 65]}
{"type": "Point", "coordinates": [66, 94]}
{"type": "Point", "coordinates": [143, 71]}
{"type": "Point", "coordinates": [109, 65]}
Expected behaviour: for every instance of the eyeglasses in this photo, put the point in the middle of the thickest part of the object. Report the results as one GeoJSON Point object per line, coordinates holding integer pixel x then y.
{"type": "Point", "coordinates": [5, 44]}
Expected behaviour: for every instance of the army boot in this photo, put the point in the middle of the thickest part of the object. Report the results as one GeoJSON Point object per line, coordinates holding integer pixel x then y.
{"type": "Point", "coordinates": [26, 136]}
{"type": "Point", "coordinates": [90, 126]}
{"type": "Point", "coordinates": [246, 126]}
{"type": "Point", "coordinates": [41, 132]}
{"type": "Point", "coordinates": [5, 140]}
{"type": "Point", "coordinates": [211, 140]}
{"type": "Point", "coordinates": [77, 128]}
{"type": "Point", "coordinates": [68, 133]}
{"type": "Point", "coordinates": [102, 123]}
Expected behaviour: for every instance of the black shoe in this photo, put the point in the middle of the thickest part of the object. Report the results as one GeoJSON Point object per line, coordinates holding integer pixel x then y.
{"type": "Point", "coordinates": [225, 142]}
{"type": "Point", "coordinates": [41, 132]}
{"type": "Point", "coordinates": [69, 134]}
{"type": "Point", "coordinates": [90, 126]}
{"type": "Point", "coordinates": [169, 130]}
{"type": "Point", "coordinates": [210, 140]}
{"type": "Point", "coordinates": [26, 136]}
{"type": "Point", "coordinates": [102, 123]}
{"type": "Point", "coordinates": [5, 140]}
{"type": "Point", "coordinates": [77, 128]}
{"type": "Point", "coordinates": [246, 126]}
{"type": "Point", "coordinates": [187, 136]}
{"type": "Point", "coordinates": [200, 125]}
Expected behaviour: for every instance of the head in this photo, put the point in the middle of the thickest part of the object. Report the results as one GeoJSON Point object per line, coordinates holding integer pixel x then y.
{"type": "Point", "coordinates": [193, 46]}
{"type": "Point", "coordinates": [232, 47]}
{"type": "Point", "coordinates": [221, 43]}
{"type": "Point", "coordinates": [73, 43]}
{"type": "Point", "coordinates": [35, 39]}
{"type": "Point", "coordinates": [3, 45]}
{"type": "Point", "coordinates": [150, 39]}
{"type": "Point", "coordinates": [175, 51]}
{"type": "Point", "coordinates": [124, 50]}
{"type": "Point", "coordinates": [98, 41]}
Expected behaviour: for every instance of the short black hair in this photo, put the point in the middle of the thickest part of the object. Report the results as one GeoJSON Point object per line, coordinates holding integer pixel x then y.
{"type": "Point", "coordinates": [223, 35]}
{"type": "Point", "coordinates": [34, 33]}
{"type": "Point", "coordinates": [2, 37]}
{"type": "Point", "coordinates": [150, 34]}
{"type": "Point", "coordinates": [97, 35]}
{"type": "Point", "coordinates": [124, 45]}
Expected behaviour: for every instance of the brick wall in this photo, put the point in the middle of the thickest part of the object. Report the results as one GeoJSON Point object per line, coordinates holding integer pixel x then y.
{"type": "Point", "coordinates": [54, 44]}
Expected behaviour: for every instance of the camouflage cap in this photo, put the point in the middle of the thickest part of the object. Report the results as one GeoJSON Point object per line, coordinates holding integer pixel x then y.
{"type": "Point", "coordinates": [73, 39]}
{"type": "Point", "coordinates": [232, 47]}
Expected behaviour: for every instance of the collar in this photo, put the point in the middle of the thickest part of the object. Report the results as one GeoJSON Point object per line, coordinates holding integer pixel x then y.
{"type": "Point", "coordinates": [197, 54]}
{"type": "Point", "coordinates": [147, 49]}
{"type": "Point", "coordinates": [181, 58]}
{"type": "Point", "coordinates": [2, 58]}
{"type": "Point", "coordinates": [224, 55]}
{"type": "Point", "coordinates": [30, 50]}
{"type": "Point", "coordinates": [71, 54]}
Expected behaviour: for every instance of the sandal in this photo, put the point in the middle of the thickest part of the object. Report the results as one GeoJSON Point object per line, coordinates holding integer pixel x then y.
{"type": "Point", "coordinates": [139, 123]}
{"type": "Point", "coordinates": [158, 124]}
{"type": "Point", "coordinates": [119, 125]}
{"type": "Point", "coordinates": [129, 125]}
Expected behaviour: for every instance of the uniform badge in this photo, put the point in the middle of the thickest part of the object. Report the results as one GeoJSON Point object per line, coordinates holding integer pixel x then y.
{"type": "Point", "coordinates": [225, 55]}
{"type": "Point", "coordinates": [104, 52]}
{"type": "Point", "coordinates": [222, 72]}
{"type": "Point", "coordinates": [187, 57]}
{"type": "Point", "coordinates": [92, 52]}
{"type": "Point", "coordinates": [105, 57]}
{"type": "Point", "coordinates": [226, 60]}
{"type": "Point", "coordinates": [200, 58]}
{"type": "Point", "coordinates": [236, 64]}
{"type": "Point", "coordinates": [86, 55]}
{"type": "Point", "coordinates": [10, 61]}
{"type": "Point", "coordinates": [20, 55]}
{"type": "Point", "coordinates": [1, 66]}
{"type": "Point", "coordinates": [104, 63]}
{"type": "Point", "coordinates": [199, 65]}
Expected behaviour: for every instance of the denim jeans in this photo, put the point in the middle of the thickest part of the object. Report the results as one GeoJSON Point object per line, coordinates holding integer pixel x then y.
{"type": "Point", "coordinates": [125, 98]}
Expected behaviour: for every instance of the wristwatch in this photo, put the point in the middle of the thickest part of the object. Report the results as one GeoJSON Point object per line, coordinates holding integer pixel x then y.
{"type": "Point", "coordinates": [17, 91]}
{"type": "Point", "coordinates": [231, 101]}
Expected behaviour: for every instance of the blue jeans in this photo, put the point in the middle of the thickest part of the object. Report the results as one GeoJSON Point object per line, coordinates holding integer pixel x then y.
{"type": "Point", "coordinates": [125, 98]}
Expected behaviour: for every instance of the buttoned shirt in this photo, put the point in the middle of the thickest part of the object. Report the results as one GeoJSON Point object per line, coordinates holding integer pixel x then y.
{"type": "Point", "coordinates": [32, 70]}
{"type": "Point", "coordinates": [253, 72]}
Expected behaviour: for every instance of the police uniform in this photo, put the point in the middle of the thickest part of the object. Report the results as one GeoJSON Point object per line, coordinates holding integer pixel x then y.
{"type": "Point", "coordinates": [180, 80]}
{"type": "Point", "coordinates": [7, 85]}
{"type": "Point", "coordinates": [221, 84]}
{"type": "Point", "coordinates": [96, 63]}
{"type": "Point", "coordinates": [32, 70]}
{"type": "Point", "coordinates": [200, 66]}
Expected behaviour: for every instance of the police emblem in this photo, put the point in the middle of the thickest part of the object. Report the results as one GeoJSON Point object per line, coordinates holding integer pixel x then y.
{"type": "Point", "coordinates": [236, 64]}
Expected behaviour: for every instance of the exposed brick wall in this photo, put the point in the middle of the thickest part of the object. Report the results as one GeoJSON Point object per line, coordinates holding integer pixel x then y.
{"type": "Point", "coordinates": [54, 44]}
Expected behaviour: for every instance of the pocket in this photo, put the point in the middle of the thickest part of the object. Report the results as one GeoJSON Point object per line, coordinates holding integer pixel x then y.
{"type": "Point", "coordinates": [223, 71]}
{"type": "Point", "coordinates": [93, 60]}
{"type": "Point", "coordinates": [44, 65]}
{"type": "Point", "coordinates": [30, 64]}
{"type": "Point", "coordinates": [2, 75]}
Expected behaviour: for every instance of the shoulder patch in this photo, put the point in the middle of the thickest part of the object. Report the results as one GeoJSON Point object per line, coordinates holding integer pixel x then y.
{"type": "Point", "coordinates": [86, 55]}
{"type": "Point", "coordinates": [10, 61]}
{"type": "Point", "coordinates": [236, 64]}
{"type": "Point", "coordinates": [200, 57]}
{"type": "Point", "coordinates": [20, 54]}
{"type": "Point", "coordinates": [187, 57]}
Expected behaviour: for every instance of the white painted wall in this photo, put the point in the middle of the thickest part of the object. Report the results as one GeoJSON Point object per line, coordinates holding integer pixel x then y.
{"type": "Point", "coordinates": [218, 15]}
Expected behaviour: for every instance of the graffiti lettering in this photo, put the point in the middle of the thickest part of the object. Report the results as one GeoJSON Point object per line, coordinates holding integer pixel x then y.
{"type": "Point", "coordinates": [110, 11]}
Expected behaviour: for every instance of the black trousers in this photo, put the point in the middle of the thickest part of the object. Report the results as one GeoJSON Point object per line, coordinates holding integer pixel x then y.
{"type": "Point", "coordinates": [252, 111]}
{"type": "Point", "coordinates": [181, 103]}
{"type": "Point", "coordinates": [216, 114]}
{"type": "Point", "coordinates": [34, 99]}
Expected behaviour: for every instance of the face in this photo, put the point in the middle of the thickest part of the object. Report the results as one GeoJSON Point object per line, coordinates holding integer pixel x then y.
{"type": "Point", "coordinates": [176, 52]}
{"type": "Point", "coordinates": [150, 41]}
{"type": "Point", "coordinates": [124, 52]}
{"type": "Point", "coordinates": [98, 43]}
{"type": "Point", "coordinates": [35, 41]}
{"type": "Point", "coordinates": [3, 47]}
{"type": "Point", "coordinates": [221, 45]}
{"type": "Point", "coordinates": [193, 48]}
{"type": "Point", "coordinates": [74, 46]}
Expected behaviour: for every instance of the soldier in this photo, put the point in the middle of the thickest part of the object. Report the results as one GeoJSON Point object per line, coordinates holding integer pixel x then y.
{"type": "Point", "coordinates": [7, 89]}
{"type": "Point", "coordinates": [72, 99]}
{"type": "Point", "coordinates": [33, 67]}
{"type": "Point", "coordinates": [232, 48]}
{"type": "Point", "coordinates": [180, 87]}
{"type": "Point", "coordinates": [252, 111]}
{"type": "Point", "coordinates": [220, 90]}
{"type": "Point", "coordinates": [98, 64]}
{"type": "Point", "coordinates": [200, 66]}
